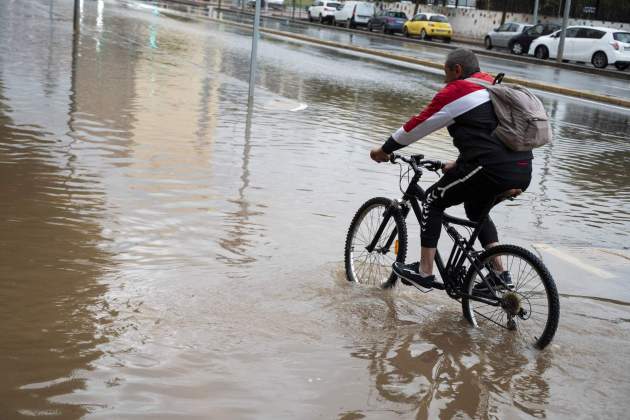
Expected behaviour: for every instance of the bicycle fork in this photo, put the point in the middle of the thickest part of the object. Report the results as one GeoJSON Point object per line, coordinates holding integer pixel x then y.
{"type": "Point", "coordinates": [386, 216]}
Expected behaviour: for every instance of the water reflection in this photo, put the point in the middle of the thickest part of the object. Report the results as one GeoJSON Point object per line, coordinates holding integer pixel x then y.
{"type": "Point", "coordinates": [240, 227]}
{"type": "Point", "coordinates": [441, 368]}
{"type": "Point", "coordinates": [50, 291]}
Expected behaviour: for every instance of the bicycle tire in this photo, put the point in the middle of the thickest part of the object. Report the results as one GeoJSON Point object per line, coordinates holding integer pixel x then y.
{"type": "Point", "coordinates": [527, 298]}
{"type": "Point", "coordinates": [375, 260]}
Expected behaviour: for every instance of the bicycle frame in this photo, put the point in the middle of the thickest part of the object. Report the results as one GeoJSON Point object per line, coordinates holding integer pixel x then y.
{"type": "Point", "coordinates": [461, 252]}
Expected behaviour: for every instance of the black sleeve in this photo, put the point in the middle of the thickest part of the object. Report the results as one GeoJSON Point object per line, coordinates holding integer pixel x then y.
{"type": "Point", "coordinates": [391, 145]}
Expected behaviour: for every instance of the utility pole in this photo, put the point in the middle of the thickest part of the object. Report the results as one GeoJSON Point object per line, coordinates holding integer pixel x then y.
{"type": "Point", "coordinates": [77, 12]}
{"type": "Point", "coordinates": [535, 12]}
{"type": "Point", "coordinates": [252, 61]}
{"type": "Point", "coordinates": [563, 32]}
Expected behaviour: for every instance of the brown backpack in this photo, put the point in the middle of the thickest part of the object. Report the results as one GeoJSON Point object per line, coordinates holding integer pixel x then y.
{"type": "Point", "coordinates": [523, 121]}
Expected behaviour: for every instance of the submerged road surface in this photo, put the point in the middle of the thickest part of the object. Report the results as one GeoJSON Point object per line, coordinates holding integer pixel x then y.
{"type": "Point", "coordinates": [167, 253]}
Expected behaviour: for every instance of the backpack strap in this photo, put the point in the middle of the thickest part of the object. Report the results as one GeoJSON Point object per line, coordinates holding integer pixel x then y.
{"type": "Point", "coordinates": [497, 80]}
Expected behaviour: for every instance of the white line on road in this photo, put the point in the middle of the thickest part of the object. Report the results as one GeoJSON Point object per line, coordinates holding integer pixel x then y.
{"type": "Point", "coordinates": [573, 260]}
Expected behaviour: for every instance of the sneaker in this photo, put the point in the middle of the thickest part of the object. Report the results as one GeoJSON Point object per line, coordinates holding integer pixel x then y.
{"type": "Point", "coordinates": [409, 275]}
{"type": "Point", "coordinates": [504, 283]}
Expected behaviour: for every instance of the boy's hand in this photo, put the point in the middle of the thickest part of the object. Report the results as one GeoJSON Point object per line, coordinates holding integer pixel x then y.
{"type": "Point", "coordinates": [378, 155]}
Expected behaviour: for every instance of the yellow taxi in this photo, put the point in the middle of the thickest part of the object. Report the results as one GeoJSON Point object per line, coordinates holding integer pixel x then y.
{"type": "Point", "coordinates": [427, 26]}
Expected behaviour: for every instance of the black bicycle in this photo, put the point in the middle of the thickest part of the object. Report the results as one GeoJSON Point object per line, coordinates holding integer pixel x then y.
{"type": "Point", "coordinates": [529, 307]}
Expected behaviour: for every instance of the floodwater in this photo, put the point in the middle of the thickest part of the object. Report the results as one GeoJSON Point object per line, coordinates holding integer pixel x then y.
{"type": "Point", "coordinates": [619, 88]}
{"type": "Point", "coordinates": [168, 252]}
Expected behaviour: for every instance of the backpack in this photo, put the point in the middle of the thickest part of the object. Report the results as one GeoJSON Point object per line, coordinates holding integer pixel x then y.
{"type": "Point", "coordinates": [523, 121]}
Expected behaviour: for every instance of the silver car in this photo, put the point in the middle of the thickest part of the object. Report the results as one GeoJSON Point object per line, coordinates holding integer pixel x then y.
{"type": "Point", "coordinates": [500, 37]}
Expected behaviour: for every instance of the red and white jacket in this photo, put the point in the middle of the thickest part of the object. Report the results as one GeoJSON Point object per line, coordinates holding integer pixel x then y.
{"type": "Point", "coordinates": [464, 107]}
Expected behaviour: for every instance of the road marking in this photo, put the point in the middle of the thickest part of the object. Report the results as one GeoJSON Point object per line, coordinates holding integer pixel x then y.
{"type": "Point", "coordinates": [575, 261]}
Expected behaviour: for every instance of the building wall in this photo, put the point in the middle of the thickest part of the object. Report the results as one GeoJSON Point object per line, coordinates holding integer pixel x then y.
{"type": "Point", "coordinates": [473, 24]}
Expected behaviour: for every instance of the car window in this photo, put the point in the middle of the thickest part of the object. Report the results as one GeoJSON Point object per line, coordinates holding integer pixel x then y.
{"type": "Point", "coordinates": [549, 29]}
{"type": "Point", "coordinates": [419, 18]}
{"type": "Point", "coordinates": [535, 31]}
{"type": "Point", "coordinates": [595, 34]}
{"type": "Point", "coordinates": [582, 33]}
{"type": "Point", "coordinates": [332, 4]}
{"type": "Point", "coordinates": [572, 32]}
{"type": "Point", "coordinates": [438, 18]}
{"type": "Point", "coordinates": [504, 28]}
{"type": "Point", "coordinates": [399, 15]}
{"type": "Point", "coordinates": [622, 37]}
{"type": "Point", "coordinates": [513, 27]}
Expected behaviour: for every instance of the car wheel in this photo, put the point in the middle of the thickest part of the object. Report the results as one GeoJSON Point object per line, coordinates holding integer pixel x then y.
{"type": "Point", "coordinates": [599, 60]}
{"type": "Point", "coordinates": [310, 18]}
{"type": "Point", "coordinates": [541, 52]}
{"type": "Point", "coordinates": [348, 23]}
{"type": "Point", "coordinates": [334, 21]}
{"type": "Point", "coordinates": [516, 48]}
{"type": "Point", "coordinates": [487, 43]}
{"type": "Point", "coordinates": [406, 32]}
{"type": "Point", "coordinates": [622, 66]}
{"type": "Point", "coordinates": [447, 40]}
{"type": "Point", "coordinates": [423, 35]}
{"type": "Point", "coordinates": [384, 29]}
{"type": "Point", "coordinates": [321, 19]}
{"type": "Point", "coordinates": [369, 28]}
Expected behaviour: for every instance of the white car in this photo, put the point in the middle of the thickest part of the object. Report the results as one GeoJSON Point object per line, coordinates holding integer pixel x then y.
{"type": "Point", "coordinates": [354, 13]}
{"type": "Point", "coordinates": [322, 10]}
{"type": "Point", "coordinates": [599, 46]}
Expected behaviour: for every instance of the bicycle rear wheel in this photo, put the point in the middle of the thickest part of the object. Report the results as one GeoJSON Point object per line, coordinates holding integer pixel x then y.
{"type": "Point", "coordinates": [530, 309]}
{"type": "Point", "coordinates": [375, 268]}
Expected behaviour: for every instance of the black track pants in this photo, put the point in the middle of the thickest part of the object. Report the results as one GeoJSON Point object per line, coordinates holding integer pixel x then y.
{"type": "Point", "coordinates": [476, 187]}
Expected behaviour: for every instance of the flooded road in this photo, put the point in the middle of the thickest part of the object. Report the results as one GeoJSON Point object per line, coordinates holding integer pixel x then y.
{"type": "Point", "coordinates": [166, 252]}
{"type": "Point", "coordinates": [435, 51]}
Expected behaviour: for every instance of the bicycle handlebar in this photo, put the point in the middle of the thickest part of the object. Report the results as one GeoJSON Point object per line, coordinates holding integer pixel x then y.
{"type": "Point", "coordinates": [417, 161]}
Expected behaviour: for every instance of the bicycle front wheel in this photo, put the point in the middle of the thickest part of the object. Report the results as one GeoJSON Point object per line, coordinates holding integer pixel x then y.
{"type": "Point", "coordinates": [377, 223]}
{"type": "Point", "coordinates": [529, 307]}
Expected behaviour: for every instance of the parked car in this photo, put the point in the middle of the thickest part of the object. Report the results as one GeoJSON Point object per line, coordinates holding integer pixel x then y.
{"type": "Point", "coordinates": [388, 21]}
{"type": "Point", "coordinates": [599, 46]}
{"type": "Point", "coordinates": [276, 4]}
{"type": "Point", "coordinates": [500, 37]}
{"type": "Point", "coordinates": [322, 10]}
{"type": "Point", "coordinates": [354, 13]}
{"type": "Point", "coordinates": [429, 25]}
{"type": "Point", "coordinates": [520, 43]}
{"type": "Point", "coordinates": [271, 4]}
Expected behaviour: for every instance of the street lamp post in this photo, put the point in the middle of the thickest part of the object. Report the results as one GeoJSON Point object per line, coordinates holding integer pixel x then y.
{"type": "Point", "coordinates": [252, 61]}
{"type": "Point", "coordinates": [76, 14]}
{"type": "Point", "coordinates": [563, 32]}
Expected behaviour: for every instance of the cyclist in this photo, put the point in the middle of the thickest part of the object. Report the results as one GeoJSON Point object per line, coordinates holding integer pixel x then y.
{"type": "Point", "coordinates": [484, 168]}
